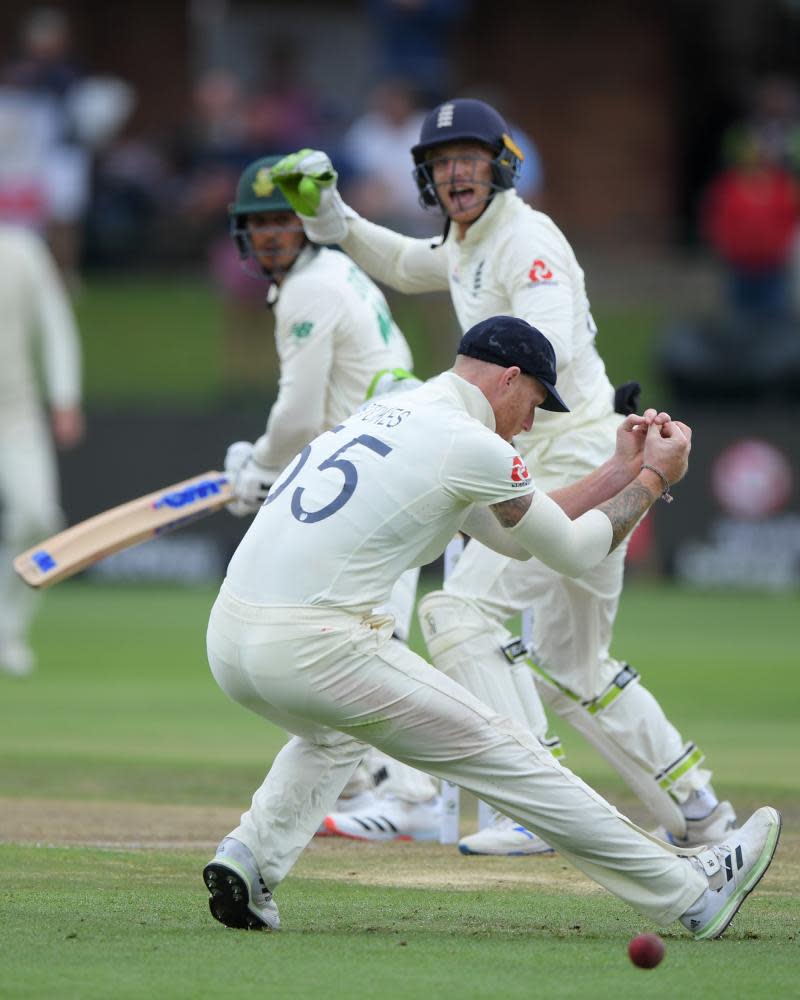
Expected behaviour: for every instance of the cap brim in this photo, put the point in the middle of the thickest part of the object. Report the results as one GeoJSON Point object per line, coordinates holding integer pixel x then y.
{"type": "Point", "coordinates": [553, 401]}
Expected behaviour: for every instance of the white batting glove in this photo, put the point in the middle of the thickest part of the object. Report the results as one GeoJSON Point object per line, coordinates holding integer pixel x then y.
{"type": "Point", "coordinates": [250, 487]}
{"type": "Point", "coordinates": [251, 482]}
{"type": "Point", "coordinates": [236, 455]}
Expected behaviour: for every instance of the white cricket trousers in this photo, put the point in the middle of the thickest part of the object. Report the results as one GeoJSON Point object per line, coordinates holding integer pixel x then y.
{"type": "Point", "coordinates": [30, 510]}
{"type": "Point", "coordinates": [573, 622]}
{"type": "Point", "coordinates": [339, 682]}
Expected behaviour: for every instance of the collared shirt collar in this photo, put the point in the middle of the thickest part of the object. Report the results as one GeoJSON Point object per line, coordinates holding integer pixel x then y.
{"type": "Point", "coordinates": [490, 217]}
{"type": "Point", "coordinates": [470, 396]}
{"type": "Point", "coordinates": [303, 259]}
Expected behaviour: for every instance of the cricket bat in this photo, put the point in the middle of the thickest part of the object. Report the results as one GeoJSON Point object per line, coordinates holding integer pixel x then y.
{"type": "Point", "coordinates": [72, 550]}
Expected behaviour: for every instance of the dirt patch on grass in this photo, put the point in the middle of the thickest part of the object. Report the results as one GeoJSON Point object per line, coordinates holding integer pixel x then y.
{"type": "Point", "coordinates": [125, 825]}
{"type": "Point", "coordinates": [112, 824]}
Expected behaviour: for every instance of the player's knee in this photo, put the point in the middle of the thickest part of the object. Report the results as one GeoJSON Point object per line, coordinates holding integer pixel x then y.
{"type": "Point", "coordinates": [447, 621]}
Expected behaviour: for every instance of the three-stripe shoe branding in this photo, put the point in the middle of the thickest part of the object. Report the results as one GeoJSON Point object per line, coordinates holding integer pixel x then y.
{"type": "Point", "coordinates": [381, 823]}
{"type": "Point", "coordinates": [729, 862]}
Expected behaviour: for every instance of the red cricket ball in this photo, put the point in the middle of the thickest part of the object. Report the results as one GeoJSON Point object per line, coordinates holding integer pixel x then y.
{"type": "Point", "coordinates": [646, 950]}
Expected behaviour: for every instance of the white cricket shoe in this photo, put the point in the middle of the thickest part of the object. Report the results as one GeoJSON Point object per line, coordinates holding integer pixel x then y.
{"type": "Point", "coordinates": [733, 869]}
{"type": "Point", "coordinates": [365, 801]}
{"type": "Point", "coordinates": [389, 819]}
{"type": "Point", "coordinates": [238, 897]}
{"type": "Point", "coordinates": [504, 836]}
{"type": "Point", "coordinates": [699, 832]}
{"type": "Point", "coordinates": [16, 658]}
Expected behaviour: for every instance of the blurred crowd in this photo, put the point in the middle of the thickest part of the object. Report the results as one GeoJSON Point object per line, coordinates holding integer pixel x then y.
{"type": "Point", "coordinates": [749, 219]}
{"type": "Point", "coordinates": [75, 166]}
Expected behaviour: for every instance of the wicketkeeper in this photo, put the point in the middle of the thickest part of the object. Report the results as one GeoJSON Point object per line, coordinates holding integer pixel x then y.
{"type": "Point", "coordinates": [498, 255]}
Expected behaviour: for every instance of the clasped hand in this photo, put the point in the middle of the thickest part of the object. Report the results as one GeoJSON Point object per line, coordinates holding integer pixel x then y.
{"type": "Point", "coordinates": [654, 438]}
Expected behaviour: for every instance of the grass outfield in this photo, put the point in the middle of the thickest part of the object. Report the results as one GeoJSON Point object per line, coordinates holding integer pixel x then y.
{"type": "Point", "coordinates": [162, 339]}
{"type": "Point", "coordinates": [122, 747]}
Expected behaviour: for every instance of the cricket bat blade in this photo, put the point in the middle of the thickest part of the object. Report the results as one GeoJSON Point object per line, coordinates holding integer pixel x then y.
{"type": "Point", "coordinates": [89, 541]}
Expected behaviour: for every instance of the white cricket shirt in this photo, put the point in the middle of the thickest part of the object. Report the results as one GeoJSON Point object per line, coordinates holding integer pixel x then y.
{"type": "Point", "coordinates": [333, 332]}
{"type": "Point", "coordinates": [512, 261]}
{"type": "Point", "coordinates": [35, 318]}
{"type": "Point", "coordinates": [381, 492]}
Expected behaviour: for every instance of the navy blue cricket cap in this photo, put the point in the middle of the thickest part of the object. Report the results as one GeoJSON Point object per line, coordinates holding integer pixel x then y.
{"type": "Point", "coordinates": [508, 341]}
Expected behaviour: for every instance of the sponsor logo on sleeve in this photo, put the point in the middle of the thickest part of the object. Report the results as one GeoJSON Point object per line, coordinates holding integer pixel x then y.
{"type": "Point", "coordinates": [540, 271]}
{"type": "Point", "coordinates": [519, 473]}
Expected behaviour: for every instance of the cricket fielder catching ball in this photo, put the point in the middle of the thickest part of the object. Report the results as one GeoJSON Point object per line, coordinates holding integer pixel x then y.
{"type": "Point", "coordinates": [293, 634]}
{"type": "Point", "coordinates": [498, 255]}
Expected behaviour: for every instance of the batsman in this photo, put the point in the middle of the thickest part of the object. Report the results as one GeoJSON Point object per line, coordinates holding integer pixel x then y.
{"type": "Point", "coordinates": [337, 343]}
{"type": "Point", "coordinates": [499, 256]}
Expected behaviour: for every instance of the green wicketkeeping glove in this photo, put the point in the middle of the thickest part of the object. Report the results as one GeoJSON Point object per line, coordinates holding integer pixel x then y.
{"type": "Point", "coordinates": [302, 177]}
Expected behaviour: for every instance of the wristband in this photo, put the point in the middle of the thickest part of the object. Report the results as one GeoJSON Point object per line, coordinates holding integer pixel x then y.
{"type": "Point", "coordinates": [666, 496]}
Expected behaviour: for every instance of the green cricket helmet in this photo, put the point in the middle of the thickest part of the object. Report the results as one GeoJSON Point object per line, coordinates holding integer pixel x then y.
{"type": "Point", "coordinates": [256, 192]}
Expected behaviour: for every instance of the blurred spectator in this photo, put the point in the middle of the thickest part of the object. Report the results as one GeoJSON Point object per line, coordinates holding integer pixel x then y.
{"type": "Point", "coordinates": [45, 64]}
{"type": "Point", "coordinates": [771, 130]}
{"type": "Point", "coordinates": [283, 113]}
{"type": "Point", "coordinates": [376, 150]}
{"type": "Point", "coordinates": [28, 131]}
{"type": "Point", "coordinates": [35, 324]}
{"type": "Point", "coordinates": [223, 132]}
{"type": "Point", "coordinates": [214, 148]}
{"type": "Point", "coordinates": [413, 39]}
{"type": "Point", "coordinates": [53, 120]}
{"type": "Point", "coordinates": [750, 217]}
{"type": "Point", "coordinates": [45, 73]}
{"type": "Point", "coordinates": [131, 188]}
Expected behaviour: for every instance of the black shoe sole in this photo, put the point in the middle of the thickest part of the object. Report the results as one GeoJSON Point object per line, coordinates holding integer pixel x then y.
{"type": "Point", "coordinates": [228, 899]}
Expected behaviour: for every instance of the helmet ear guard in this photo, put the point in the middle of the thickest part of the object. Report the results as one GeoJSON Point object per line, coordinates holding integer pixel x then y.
{"type": "Point", "coordinates": [239, 235]}
{"type": "Point", "coordinates": [508, 163]}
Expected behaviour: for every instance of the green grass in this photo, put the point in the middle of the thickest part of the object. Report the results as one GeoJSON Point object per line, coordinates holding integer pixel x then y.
{"type": "Point", "coordinates": [124, 701]}
{"type": "Point", "coordinates": [150, 339]}
{"type": "Point", "coordinates": [96, 924]}
{"type": "Point", "coordinates": [123, 709]}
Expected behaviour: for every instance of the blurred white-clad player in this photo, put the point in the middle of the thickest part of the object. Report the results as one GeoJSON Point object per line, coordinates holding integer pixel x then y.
{"type": "Point", "coordinates": [294, 637]}
{"type": "Point", "coordinates": [36, 320]}
{"type": "Point", "coordinates": [499, 255]}
{"type": "Point", "coordinates": [337, 344]}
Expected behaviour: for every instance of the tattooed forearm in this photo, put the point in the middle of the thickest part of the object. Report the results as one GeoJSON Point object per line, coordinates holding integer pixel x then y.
{"type": "Point", "coordinates": [625, 509]}
{"type": "Point", "coordinates": [511, 512]}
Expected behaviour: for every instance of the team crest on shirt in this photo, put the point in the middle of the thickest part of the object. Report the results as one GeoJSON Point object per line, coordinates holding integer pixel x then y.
{"type": "Point", "coordinates": [302, 330]}
{"type": "Point", "coordinates": [540, 271]}
{"type": "Point", "coordinates": [519, 472]}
